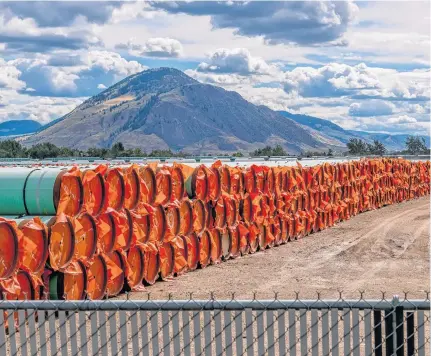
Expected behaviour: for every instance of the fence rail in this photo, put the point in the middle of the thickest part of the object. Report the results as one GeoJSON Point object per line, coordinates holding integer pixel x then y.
{"type": "Point", "coordinates": [216, 327]}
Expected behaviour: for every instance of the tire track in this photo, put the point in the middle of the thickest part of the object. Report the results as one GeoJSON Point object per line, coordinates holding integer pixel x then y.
{"type": "Point", "coordinates": [352, 243]}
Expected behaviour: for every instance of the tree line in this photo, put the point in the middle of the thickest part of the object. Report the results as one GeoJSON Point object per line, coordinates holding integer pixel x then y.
{"type": "Point", "coordinates": [13, 149]}
{"type": "Point", "coordinates": [414, 145]}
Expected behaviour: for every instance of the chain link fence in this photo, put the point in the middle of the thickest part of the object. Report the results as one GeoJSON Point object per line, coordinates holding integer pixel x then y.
{"type": "Point", "coordinates": [216, 327]}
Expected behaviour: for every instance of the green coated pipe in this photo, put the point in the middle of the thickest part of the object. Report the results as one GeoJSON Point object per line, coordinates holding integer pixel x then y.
{"type": "Point", "coordinates": [42, 191]}
{"type": "Point", "coordinates": [30, 191]}
{"type": "Point", "coordinates": [12, 185]}
{"type": "Point", "coordinates": [188, 186]}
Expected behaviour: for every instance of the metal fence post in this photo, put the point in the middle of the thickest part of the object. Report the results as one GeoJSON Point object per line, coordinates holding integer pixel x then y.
{"type": "Point", "coordinates": [390, 332]}
{"type": "Point", "coordinates": [377, 319]}
{"type": "Point", "coordinates": [410, 333]}
{"type": "Point", "coordinates": [399, 330]}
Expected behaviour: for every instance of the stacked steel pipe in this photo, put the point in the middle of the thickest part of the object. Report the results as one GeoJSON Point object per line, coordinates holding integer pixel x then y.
{"type": "Point", "coordinates": [107, 229]}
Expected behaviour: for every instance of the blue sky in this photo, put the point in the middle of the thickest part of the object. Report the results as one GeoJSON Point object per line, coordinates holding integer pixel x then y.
{"type": "Point", "coordinates": [363, 65]}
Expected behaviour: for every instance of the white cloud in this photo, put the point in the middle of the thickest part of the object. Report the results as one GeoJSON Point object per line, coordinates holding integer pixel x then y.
{"type": "Point", "coordinates": [41, 109]}
{"type": "Point", "coordinates": [411, 90]}
{"type": "Point", "coordinates": [132, 10]}
{"type": "Point", "coordinates": [418, 109]}
{"type": "Point", "coordinates": [101, 86]}
{"type": "Point", "coordinates": [332, 79]}
{"type": "Point", "coordinates": [9, 76]}
{"type": "Point", "coordinates": [371, 108]}
{"type": "Point", "coordinates": [237, 60]}
{"type": "Point", "coordinates": [111, 62]}
{"type": "Point", "coordinates": [403, 119]}
{"type": "Point", "coordinates": [62, 80]}
{"type": "Point", "coordinates": [154, 47]}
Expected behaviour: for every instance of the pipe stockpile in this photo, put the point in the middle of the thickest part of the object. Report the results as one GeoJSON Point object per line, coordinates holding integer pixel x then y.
{"type": "Point", "coordinates": [105, 229]}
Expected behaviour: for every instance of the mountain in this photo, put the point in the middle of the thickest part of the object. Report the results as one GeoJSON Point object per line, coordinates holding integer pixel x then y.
{"type": "Point", "coordinates": [164, 108]}
{"type": "Point", "coordinates": [393, 142]}
{"type": "Point", "coordinates": [18, 127]}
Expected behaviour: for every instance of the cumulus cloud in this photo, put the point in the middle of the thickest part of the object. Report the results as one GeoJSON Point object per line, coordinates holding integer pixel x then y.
{"type": "Point", "coordinates": [358, 82]}
{"type": "Point", "coordinates": [403, 119]}
{"type": "Point", "coordinates": [154, 47]}
{"type": "Point", "coordinates": [399, 86]}
{"type": "Point", "coordinates": [101, 86]}
{"type": "Point", "coordinates": [237, 60]}
{"type": "Point", "coordinates": [111, 62]}
{"type": "Point", "coordinates": [305, 22]}
{"type": "Point", "coordinates": [371, 108]}
{"type": "Point", "coordinates": [9, 76]}
{"type": "Point", "coordinates": [418, 109]}
{"type": "Point", "coordinates": [41, 109]}
{"type": "Point", "coordinates": [330, 80]}
{"type": "Point", "coordinates": [410, 91]}
{"type": "Point", "coordinates": [133, 10]}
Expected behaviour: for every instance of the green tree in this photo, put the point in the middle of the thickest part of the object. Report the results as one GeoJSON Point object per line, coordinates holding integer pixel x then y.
{"type": "Point", "coordinates": [161, 153]}
{"type": "Point", "coordinates": [266, 151]}
{"type": "Point", "coordinates": [5, 154]}
{"type": "Point", "coordinates": [278, 151]}
{"type": "Point", "coordinates": [117, 149]}
{"type": "Point", "coordinates": [137, 152]}
{"type": "Point", "coordinates": [357, 147]}
{"type": "Point", "coordinates": [269, 151]}
{"type": "Point", "coordinates": [44, 150]}
{"type": "Point", "coordinates": [97, 152]}
{"type": "Point", "coordinates": [377, 148]}
{"type": "Point", "coordinates": [237, 154]}
{"type": "Point", "coordinates": [12, 149]}
{"type": "Point", "coordinates": [416, 145]}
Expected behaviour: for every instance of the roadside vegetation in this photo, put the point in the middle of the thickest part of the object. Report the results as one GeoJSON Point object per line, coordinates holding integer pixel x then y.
{"type": "Point", "coordinates": [13, 149]}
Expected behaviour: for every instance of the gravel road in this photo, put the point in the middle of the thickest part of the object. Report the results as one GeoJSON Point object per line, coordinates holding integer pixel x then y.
{"type": "Point", "coordinates": [382, 250]}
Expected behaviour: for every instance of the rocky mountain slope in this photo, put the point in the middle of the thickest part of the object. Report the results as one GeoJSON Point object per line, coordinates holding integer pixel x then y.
{"type": "Point", "coordinates": [164, 108]}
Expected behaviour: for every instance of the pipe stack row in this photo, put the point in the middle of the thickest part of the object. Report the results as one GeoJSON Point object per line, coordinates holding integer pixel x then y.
{"type": "Point", "coordinates": [96, 231]}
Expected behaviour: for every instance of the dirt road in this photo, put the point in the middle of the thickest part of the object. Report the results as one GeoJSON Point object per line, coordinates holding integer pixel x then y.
{"type": "Point", "coordinates": [383, 250]}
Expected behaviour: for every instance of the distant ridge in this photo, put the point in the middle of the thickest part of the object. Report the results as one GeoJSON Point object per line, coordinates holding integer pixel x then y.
{"type": "Point", "coordinates": [393, 142]}
{"type": "Point", "coordinates": [18, 127]}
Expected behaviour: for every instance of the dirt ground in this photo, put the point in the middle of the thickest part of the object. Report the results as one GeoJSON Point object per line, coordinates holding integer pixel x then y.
{"type": "Point", "coordinates": [383, 250]}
